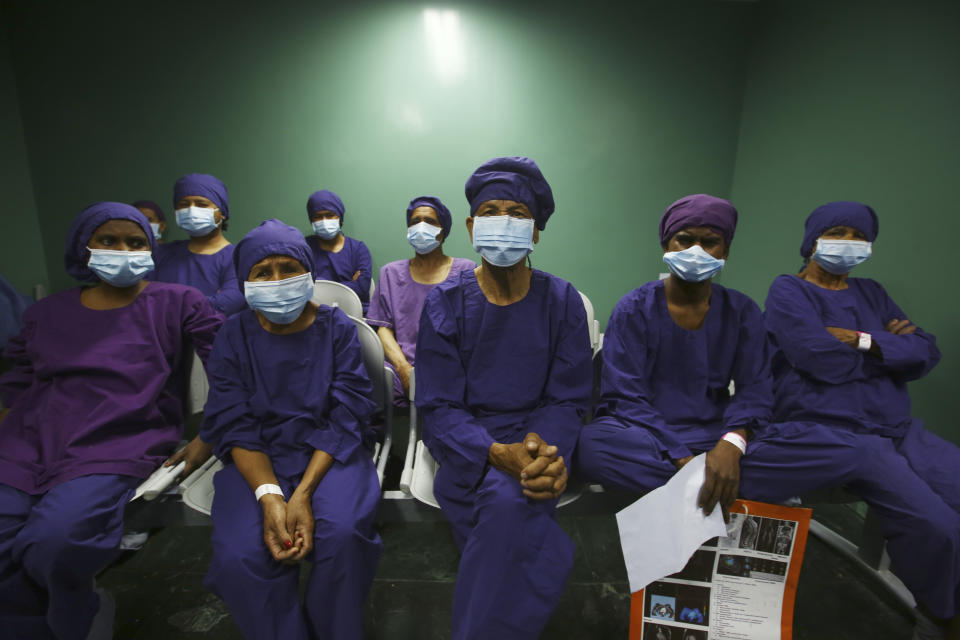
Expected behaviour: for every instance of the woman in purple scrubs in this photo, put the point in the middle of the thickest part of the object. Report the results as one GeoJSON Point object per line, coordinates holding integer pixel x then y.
{"type": "Point", "coordinates": [289, 400]}
{"type": "Point", "coordinates": [843, 355]}
{"type": "Point", "coordinates": [94, 406]}
{"type": "Point", "coordinates": [404, 284]}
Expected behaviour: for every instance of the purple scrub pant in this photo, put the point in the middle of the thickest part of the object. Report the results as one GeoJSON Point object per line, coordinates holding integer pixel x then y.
{"type": "Point", "coordinates": [263, 594]}
{"type": "Point", "coordinates": [912, 482]}
{"type": "Point", "coordinates": [51, 547]}
{"type": "Point", "coordinates": [515, 557]}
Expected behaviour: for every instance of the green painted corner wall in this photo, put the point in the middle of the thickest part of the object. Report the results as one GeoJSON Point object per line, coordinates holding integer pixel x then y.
{"type": "Point", "coordinates": [864, 109]}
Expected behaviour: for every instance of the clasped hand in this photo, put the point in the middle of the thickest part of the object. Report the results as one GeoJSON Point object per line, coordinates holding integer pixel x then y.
{"type": "Point", "coordinates": [541, 471]}
{"type": "Point", "coordinates": [288, 527]}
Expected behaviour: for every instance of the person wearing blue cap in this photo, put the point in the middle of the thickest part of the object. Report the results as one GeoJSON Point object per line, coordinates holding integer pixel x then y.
{"type": "Point", "coordinates": [94, 405]}
{"type": "Point", "coordinates": [503, 381]}
{"type": "Point", "coordinates": [297, 484]}
{"type": "Point", "coordinates": [843, 353]}
{"type": "Point", "coordinates": [404, 284]}
{"type": "Point", "coordinates": [338, 257]}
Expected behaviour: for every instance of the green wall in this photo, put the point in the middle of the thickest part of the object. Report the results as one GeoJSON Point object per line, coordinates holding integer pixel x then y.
{"type": "Point", "coordinates": [859, 101]}
{"type": "Point", "coordinates": [22, 259]}
{"type": "Point", "coordinates": [624, 111]}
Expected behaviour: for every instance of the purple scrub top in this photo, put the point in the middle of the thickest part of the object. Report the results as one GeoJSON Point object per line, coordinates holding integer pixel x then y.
{"type": "Point", "coordinates": [213, 274]}
{"type": "Point", "coordinates": [820, 379]}
{"type": "Point", "coordinates": [99, 392]}
{"type": "Point", "coordinates": [674, 381]}
{"type": "Point", "coordinates": [398, 301]}
{"type": "Point", "coordinates": [340, 266]}
{"type": "Point", "coordinates": [489, 373]}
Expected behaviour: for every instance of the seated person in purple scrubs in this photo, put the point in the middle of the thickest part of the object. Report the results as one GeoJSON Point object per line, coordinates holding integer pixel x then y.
{"type": "Point", "coordinates": [337, 257]}
{"type": "Point", "coordinates": [503, 380]}
{"type": "Point", "coordinates": [298, 484]}
{"type": "Point", "coordinates": [205, 261]}
{"type": "Point", "coordinates": [95, 405]}
{"type": "Point", "coordinates": [154, 214]}
{"type": "Point", "coordinates": [843, 355]}
{"type": "Point", "coordinates": [404, 285]}
{"type": "Point", "coordinates": [670, 351]}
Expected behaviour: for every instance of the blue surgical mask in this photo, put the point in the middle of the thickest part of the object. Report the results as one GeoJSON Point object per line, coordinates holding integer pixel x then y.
{"type": "Point", "coordinates": [281, 301]}
{"type": "Point", "coordinates": [156, 230]}
{"type": "Point", "coordinates": [120, 268]}
{"type": "Point", "coordinates": [326, 229]}
{"type": "Point", "coordinates": [693, 264]}
{"type": "Point", "coordinates": [197, 221]}
{"type": "Point", "coordinates": [423, 237]}
{"type": "Point", "coordinates": [503, 241]}
{"type": "Point", "coordinates": [841, 256]}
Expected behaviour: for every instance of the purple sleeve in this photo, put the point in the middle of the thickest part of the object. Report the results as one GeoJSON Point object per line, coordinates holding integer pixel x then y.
{"type": "Point", "coordinates": [797, 331]}
{"type": "Point", "coordinates": [380, 313]}
{"type": "Point", "coordinates": [910, 356]}
{"type": "Point", "coordinates": [20, 375]}
{"type": "Point", "coordinates": [363, 264]}
{"type": "Point", "coordinates": [349, 403]}
{"type": "Point", "coordinates": [566, 396]}
{"type": "Point", "coordinates": [454, 437]}
{"type": "Point", "coordinates": [625, 393]}
{"type": "Point", "coordinates": [228, 299]}
{"type": "Point", "coordinates": [201, 323]}
{"type": "Point", "coordinates": [228, 419]}
{"type": "Point", "coordinates": [752, 401]}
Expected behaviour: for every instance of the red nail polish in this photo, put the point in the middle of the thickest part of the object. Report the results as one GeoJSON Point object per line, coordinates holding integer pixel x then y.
{"type": "Point", "coordinates": [287, 544]}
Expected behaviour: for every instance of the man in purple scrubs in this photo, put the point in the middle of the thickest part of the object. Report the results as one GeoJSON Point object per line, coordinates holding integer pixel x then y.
{"type": "Point", "coordinates": [503, 379]}
{"type": "Point", "coordinates": [404, 284]}
{"type": "Point", "coordinates": [205, 261]}
{"type": "Point", "coordinates": [289, 399]}
{"type": "Point", "coordinates": [843, 353]}
{"type": "Point", "coordinates": [337, 257]}
{"type": "Point", "coordinates": [94, 406]}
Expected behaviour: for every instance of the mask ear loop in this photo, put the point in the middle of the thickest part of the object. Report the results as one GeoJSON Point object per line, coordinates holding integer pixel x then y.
{"type": "Point", "coordinates": [733, 529]}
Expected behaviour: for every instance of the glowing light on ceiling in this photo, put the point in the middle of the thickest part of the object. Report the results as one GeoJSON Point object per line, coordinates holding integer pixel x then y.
{"type": "Point", "coordinates": [445, 42]}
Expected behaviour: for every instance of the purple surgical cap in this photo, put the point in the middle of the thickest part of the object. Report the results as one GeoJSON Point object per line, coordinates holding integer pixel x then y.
{"type": "Point", "coordinates": [511, 178]}
{"type": "Point", "coordinates": [153, 206]}
{"type": "Point", "coordinates": [76, 255]}
{"type": "Point", "coordinates": [202, 184]}
{"type": "Point", "coordinates": [324, 200]}
{"type": "Point", "coordinates": [699, 210]}
{"type": "Point", "coordinates": [270, 238]}
{"type": "Point", "coordinates": [835, 214]}
{"type": "Point", "coordinates": [443, 214]}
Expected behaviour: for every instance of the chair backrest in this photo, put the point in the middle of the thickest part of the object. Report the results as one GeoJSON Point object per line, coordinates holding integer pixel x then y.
{"type": "Point", "coordinates": [197, 386]}
{"type": "Point", "coordinates": [373, 361]}
{"type": "Point", "coordinates": [592, 324]}
{"type": "Point", "coordinates": [334, 294]}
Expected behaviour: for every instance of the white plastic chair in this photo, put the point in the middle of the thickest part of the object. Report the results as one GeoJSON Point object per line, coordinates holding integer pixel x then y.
{"type": "Point", "coordinates": [592, 323]}
{"type": "Point", "coordinates": [198, 491]}
{"type": "Point", "coordinates": [419, 467]}
{"type": "Point", "coordinates": [334, 294]}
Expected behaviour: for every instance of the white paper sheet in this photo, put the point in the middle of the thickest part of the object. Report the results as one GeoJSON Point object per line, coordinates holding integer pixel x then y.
{"type": "Point", "coordinates": [660, 531]}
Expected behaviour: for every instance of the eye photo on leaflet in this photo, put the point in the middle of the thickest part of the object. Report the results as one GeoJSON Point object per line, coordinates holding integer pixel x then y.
{"type": "Point", "coordinates": [693, 604]}
{"type": "Point", "coordinates": [660, 600]}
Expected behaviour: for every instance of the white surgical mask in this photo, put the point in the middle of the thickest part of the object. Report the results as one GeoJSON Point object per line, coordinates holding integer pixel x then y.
{"type": "Point", "coordinates": [693, 264]}
{"type": "Point", "coordinates": [326, 228]}
{"type": "Point", "coordinates": [120, 268]}
{"type": "Point", "coordinates": [156, 230]}
{"type": "Point", "coordinates": [423, 237]}
{"type": "Point", "coordinates": [503, 241]}
{"type": "Point", "coordinates": [841, 256]}
{"type": "Point", "coordinates": [281, 301]}
{"type": "Point", "coordinates": [197, 221]}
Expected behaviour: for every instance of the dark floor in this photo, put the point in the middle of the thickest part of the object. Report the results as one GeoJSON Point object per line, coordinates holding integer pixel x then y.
{"type": "Point", "coordinates": [159, 593]}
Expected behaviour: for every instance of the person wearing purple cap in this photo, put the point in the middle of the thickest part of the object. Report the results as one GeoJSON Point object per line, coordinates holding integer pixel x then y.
{"type": "Point", "coordinates": [404, 284]}
{"type": "Point", "coordinates": [297, 483]}
{"type": "Point", "coordinates": [154, 214]}
{"type": "Point", "coordinates": [338, 257]}
{"type": "Point", "coordinates": [94, 406]}
{"type": "Point", "coordinates": [670, 351]}
{"type": "Point", "coordinates": [205, 261]}
{"type": "Point", "coordinates": [843, 353]}
{"type": "Point", "coordinates": [503, 381]}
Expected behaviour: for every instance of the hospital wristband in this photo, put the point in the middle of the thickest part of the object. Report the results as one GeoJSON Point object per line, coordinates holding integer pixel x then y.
{"type": "Point", "coordinates": [736, 440]}
{"type": "Point", "coordinates": [264, 489]}
{"type": "Point", "coordinates": [864, 341]}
